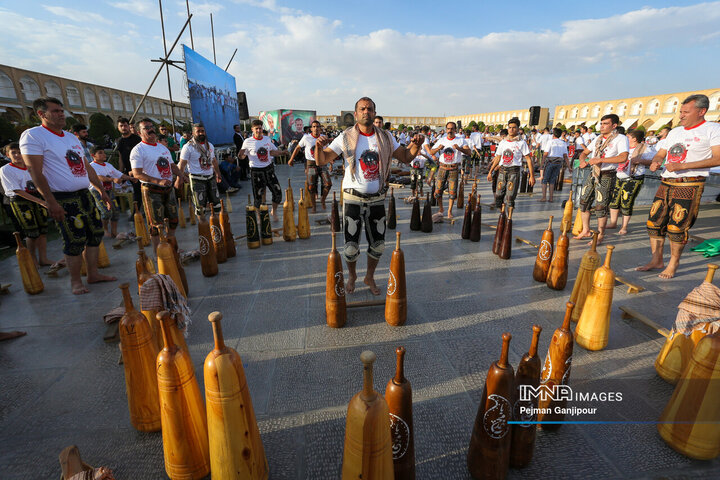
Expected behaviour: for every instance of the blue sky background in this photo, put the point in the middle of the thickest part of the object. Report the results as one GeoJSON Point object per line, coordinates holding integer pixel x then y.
{"type": "Point", "coordinates": [413, 58]}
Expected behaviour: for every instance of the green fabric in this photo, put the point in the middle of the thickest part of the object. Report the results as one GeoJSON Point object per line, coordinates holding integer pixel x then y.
{"type": "Point", "coordinates": [707, 245]}
{"type": "Point", "coordinates": [171, 142]}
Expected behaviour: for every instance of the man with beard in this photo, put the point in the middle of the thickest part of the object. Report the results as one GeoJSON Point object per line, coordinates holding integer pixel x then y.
{"type": "Point", "coordinates": [312, 170]}
{"type": "Point", "coordinates": [259, 148]}
{"type": "Point", "coordinates": [510, 152]}
{"type": "Point", "coordinates": [606, 152]}
{"type": "Point", "coordinates": [689, 152]}
{"type": "Point", "coordinates": [125, 144]}
{"type": "Point", "coordinates": [81, 132]}
{"type": "Point", "coordinates": [61, 174]}
{"type": "Point", "coordinates": [367, 152]}
{"type": "Point", "coordinates": [449, 171]}
{"type": "Point", "coordinates": [152, 164]}
{"type": "Point", "coordinates": [199, 156]}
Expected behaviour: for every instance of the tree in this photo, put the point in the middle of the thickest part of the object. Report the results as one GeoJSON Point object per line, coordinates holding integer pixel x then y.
{"type": "Point", "coordinates": [472, 124]}
{"type": "Point", "coordinates": [69, 122]}
{"type": "Point", "coordinates": [7, 131]}
{"type": "Point", "coordinates": [401, 126]}
{"type": "Point", "coordinates": [481, 126]}
{"type": "Point", "coordinates": [100, 125]}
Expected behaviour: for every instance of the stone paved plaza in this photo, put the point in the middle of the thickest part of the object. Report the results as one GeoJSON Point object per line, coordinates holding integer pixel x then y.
{"type": "Point", "coordinates": [62, 385]}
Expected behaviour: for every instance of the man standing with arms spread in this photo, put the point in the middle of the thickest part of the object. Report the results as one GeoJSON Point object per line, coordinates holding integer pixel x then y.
{"type": "Point", "coordinates": [312, 170]}
{"type": "Point", "coordinates": [449, 172]}
{"type": "Point", "coordinates": [259, 148]}
{"type": "Point", "coordinates": [689, 151]}
{"type": "Point", "coordinates": [62, 175]}
{"type": "Point", "coordinates": [125, 144]}
{"type": "Point", "coordinates": [606, 152]}
{"type": "Point", "coordinates": [152, 164]}
{"type": "Point", "coordinates": [199, 156]}
{"type": "Point", "coordinates": [510, 153]}
{"type": "Point", "coordinates": [367, 152]}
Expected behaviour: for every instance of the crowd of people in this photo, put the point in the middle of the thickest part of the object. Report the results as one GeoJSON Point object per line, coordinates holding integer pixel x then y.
{"type": "Point", "coordinates": [60, 175]}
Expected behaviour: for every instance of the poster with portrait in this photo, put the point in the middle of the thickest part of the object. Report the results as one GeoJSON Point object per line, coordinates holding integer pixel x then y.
{"type": "Point", "coordinates": [271, 122]}
{"type": "Point", "coordinates": [213, 98]}
{"type": "Point", "coordinates": [293, 123]}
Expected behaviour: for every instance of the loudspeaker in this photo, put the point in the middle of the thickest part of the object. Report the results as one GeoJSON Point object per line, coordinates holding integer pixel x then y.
{"type": "Point", "coordinates": [242, 106]}
{"type": "Point", "coordinates": [534, 115]}
{"type": "Point", "coordinates": [459, 125]}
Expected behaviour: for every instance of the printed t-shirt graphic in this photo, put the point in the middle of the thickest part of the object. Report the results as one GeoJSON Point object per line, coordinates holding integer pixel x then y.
{"type": "Point", "coordinates": [366, 178]}
{"type": "Point", "coordinates": [694, 144]}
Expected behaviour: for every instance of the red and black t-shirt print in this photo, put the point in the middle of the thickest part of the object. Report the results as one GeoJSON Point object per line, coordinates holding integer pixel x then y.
{"type": "Point", "coordinates": [370, 165]}
{"type": "Point", "coordinates": [262, 154]}
{"type": "Point", "coordinates": [449, 154]}
{"type": "Point", "coordinates": [163, 167]}
{"type": "Point", "coordinates": [76, 163]}
{"type": "Point", "coordinates": [677, 153]}
{"type": "Point", "coordinates": [507, 156]}
{"type": "Point", "coordinates": [31, 188]}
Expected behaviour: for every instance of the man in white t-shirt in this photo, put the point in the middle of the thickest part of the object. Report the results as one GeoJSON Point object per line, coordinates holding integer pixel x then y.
{"type": "Point", "coordinates": [62, 175]}
{"type": "Point", "coordinates": [630, 177]}
{"type": "Point", "coordinates": [475, 141]}
{"type": "Point", "coordinates": [450, 171]}
{"type": "Point", "coordinates": [312, 171]}
{"type": "Point", "coordinates": [367, 153]}
{"type": "Point", "coordinates": [605, 152]}
{"type": "Point", "coordinates": [152, 164]}
{"type": "Point", "coordinates": [199, 156]}
{"type": "Point", "coordinates": [554, 159]}
{"type": "Point", "coordinates": [259, 149]}
{"type": "Point", "coordinates": [508, 161]}
{"type": "Point", "coordinates": [689, 152]}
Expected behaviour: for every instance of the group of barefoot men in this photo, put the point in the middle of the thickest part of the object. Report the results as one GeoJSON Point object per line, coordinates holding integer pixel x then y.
{"type": "Point", "coordinates": [52, 170]}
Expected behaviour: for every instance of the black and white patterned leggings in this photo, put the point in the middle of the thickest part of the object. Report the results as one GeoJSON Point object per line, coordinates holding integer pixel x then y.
{"type": "Point", "coordinates": [372, 214]}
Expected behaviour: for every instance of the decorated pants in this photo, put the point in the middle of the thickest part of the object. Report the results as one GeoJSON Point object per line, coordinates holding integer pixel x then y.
{"type": "Point", "coordinates": [262, 178]}
{"type": "Point", "coordinates": [624, 195]}
{"type": "Point", "coordinates": [315, 173]}
{"type": "Point", "coordinates": [508, 182]}
{"type": "Point", "coordinates": [160, 203]}
{"type": "Point", "coordinates": [204, 191]}
{"type": "Point", "coordinates": [417, 175]}
{"type": "Point", "coordinates": [82, 225]}
{"type": "Point", "coordinates": [371, 212]}
{"type": "Point", "coordinates": [675, 209]}
{"type": "Point", "coordinates": [31, 217]}
{"type": "Point", "coordinates": [598, 191]}
{"type": "Point", "coordinates": [106, 213]}
{"type": "Point", "coordinates": [579, 176]}
{"type": "Point", "coordinates": [446, 178]}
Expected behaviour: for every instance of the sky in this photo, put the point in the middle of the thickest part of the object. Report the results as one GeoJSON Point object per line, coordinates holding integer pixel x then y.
{"type": "Point", "coordinates": [413, 58]}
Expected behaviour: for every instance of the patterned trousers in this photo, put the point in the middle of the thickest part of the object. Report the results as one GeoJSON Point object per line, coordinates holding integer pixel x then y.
{"type": "Point", "coordinates": [508, 183]}
{"type": "Point", "coordinates": [624, 195]}
{"type": "Point", "coordinates": [598, 191]}
{"type": "Point", "coordinates": [675, 209]}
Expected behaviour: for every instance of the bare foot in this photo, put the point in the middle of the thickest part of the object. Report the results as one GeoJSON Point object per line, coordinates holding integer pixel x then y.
{"type": "Point", "coordinates": [622, 231]}
{"type": "Point", "coordinates": [599, 240]}
{"type": "Point", "coordinates": [323, 205]}
{"type": "Point", "coordinates": [669, 272]}
{"type": "Point", "coordinates": [100, 278]}
{"type": "Point", "coordinates": [542, 200]}
{"type": "Point", "coordinates": [275, 217]}
{"type": "Point", "coordinates": [551, 200]}
{"type": "Point", "coordinates": [611, 226]}
{"type": "Point", "coordinates": [45, 262]}
{"type": "Point", "coordinates": [313, 210]}
{"type": "Point", "coordinates": [370, 282]}
{"type": "Point", "coordinates": [583, 234]}
{"type": "Point", "coordinates": [79, 288]}
{"type": "Point", "coordinates": [350, 284]}
{"type": "Point", "coordinates": [653, 265]}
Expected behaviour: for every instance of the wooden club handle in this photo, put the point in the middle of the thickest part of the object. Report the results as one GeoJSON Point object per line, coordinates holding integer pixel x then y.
{"type": "Point", "coordinates": [368, 358]}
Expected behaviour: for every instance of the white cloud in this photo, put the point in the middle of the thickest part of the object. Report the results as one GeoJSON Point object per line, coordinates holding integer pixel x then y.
{"type": "Point", "coordinates": [142, 8]}
{"type": "Point", "coordinates": [76, 15]}
{"type": "Point", "coordinates": [269, 5]}
{"type": "Point", "coordinates": [198, 9]}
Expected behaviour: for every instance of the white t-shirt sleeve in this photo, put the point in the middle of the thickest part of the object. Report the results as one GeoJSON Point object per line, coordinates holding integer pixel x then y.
{"type": "Point", "coordinates": [185, 152]}
{"type": "Point", "coordinates": [395, 143]}
{"type": "Point", "coordinates": [30, 145]}
{"type": "Point", "coordinates": [524, 149]}
{"type": "Point", "coordinates": [136, 160]}
{"type": "Point", "coordinates": [622, 145]}
{"type": "Point", "coordinates": [10, 182]}
{"type": "Point", "coordinates": [714, 136]}
{"type": "Point", "coordinates": [337, 144]}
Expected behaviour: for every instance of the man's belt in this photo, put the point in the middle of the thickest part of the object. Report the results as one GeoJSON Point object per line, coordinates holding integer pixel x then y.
{"type": "Point", "coordinates": [684, 179]}
{"type": "Point", "coordinates": [364, 196]}
{"type": "Point", "coordinates": [515, 167]}
{"type": "Point", "coordinates": [152, 187]}
{"type": "Point", "coordinates": [607, 172]}
{"type": "Point", "coordinates": [449, 166]}
{"type": "Point", "coordinates": [201, 178]}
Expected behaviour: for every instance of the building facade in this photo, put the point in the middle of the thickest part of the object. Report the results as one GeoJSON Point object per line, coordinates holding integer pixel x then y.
{"type": "Point", "coordinates": [501, 118]}
{"type": "Point", "coordinates": [651, 112]}
{"type": "Point", "coordinates": [18, 89]}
